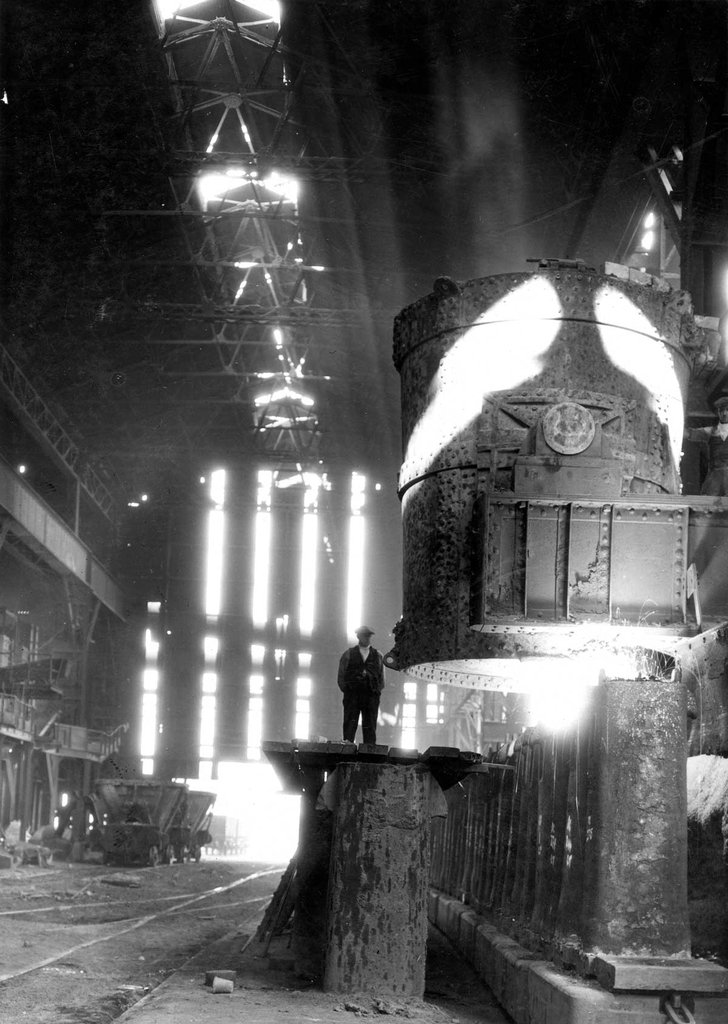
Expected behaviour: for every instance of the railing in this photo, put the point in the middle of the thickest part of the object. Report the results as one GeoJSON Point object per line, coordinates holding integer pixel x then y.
{"type": "Point", "coordinates": [82, 741]}
{"type": "Point", "coordinates": [16, 715]}
{"type": "Point", "coordinates": [22, 718]}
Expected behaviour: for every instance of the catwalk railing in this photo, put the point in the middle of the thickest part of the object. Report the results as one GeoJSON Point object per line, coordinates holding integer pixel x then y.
{"type": "Point", "coordinates": [78, 741]}
{"type": "Point", "coordinates": [17, 719]}
{"type": "Point", "coordinates": [22, 721]}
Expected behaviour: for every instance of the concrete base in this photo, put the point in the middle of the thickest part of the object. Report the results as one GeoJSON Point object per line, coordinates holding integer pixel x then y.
{"type": "Point", "coordinates": [534, 991]}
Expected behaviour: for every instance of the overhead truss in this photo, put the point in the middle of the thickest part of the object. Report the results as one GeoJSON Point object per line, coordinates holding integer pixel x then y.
{"type": "Point", "coordinates": [234, 93]}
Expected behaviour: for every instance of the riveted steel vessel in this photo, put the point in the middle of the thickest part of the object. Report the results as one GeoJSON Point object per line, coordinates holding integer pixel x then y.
{"type": "Point", "coordinates": [560, 395]}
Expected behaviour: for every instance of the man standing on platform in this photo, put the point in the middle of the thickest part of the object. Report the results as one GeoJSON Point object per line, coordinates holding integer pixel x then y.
{"type": "Point", "coordinates": [716, 482]}
{"type": "Point", "coordinates": [361, 680]}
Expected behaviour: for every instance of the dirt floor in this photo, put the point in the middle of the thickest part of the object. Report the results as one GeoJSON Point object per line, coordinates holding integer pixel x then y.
{"type": "Point", "coordinates": [80, 944]}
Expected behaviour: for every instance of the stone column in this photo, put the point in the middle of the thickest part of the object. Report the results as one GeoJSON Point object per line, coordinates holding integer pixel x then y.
{"type": "Point", "coordinates": [377, 901]}
{"type": "Point", "coordinates": [635, 891]}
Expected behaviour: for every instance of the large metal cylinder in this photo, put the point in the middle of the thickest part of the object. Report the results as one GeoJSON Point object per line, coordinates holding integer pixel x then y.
{"type": "Point", "coordinates": [377, 899]}
{"type": "Point", "coordinates": [560, 384]}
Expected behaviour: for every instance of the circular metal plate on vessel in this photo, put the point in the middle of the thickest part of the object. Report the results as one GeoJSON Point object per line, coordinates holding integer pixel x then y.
{"type": "Point", "coordinates": [568, 428]}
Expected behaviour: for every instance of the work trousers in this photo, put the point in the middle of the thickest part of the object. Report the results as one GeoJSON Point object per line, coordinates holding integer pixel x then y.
{"type": "Point", "coordinates": [359, 700]}
{"type": "Point", "coordinates": [716, 482]}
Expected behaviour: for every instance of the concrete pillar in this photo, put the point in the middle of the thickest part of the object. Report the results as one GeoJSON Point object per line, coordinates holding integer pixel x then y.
{"type": "Point", "coordinates": [635, 892]}
{"type": "Point", "coordinates": [377, 901]}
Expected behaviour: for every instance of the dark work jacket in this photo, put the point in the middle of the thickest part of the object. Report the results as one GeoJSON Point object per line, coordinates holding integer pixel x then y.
{"type": "Point", "coordinates": [355, 672]}
{"type": "Point", "coordinates": [717, 452]}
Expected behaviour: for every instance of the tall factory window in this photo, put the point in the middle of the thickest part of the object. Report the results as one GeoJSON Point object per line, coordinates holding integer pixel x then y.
{"type": "Point", "coordinates": [302, 725]}
{"type": "Point", "coordinates": [215, 545]}
{"type": "Point", "coordinates": [208, 706]}
{"type": "Point", "coordinates": [409, 725]}
{"type": "Point", "coordinates": [207, 734]}
{"type": "Point", "coordinates": [261, 558]}
{"type": "Point", "coordinates": [432, 708]}
{"type": "Point", "coordinates": [256, 686]}
{"type": "Point", "coordinates": [303, 718]}
{"type": "Point", "coordinates": [150, 683]}
{"type": "Point", "coordinates": [309, 553]}
{"type": "Point", "coordinates": [210, 647]}
{"type": "Point", "coordinates": [280, 656]}
{"type": "Point", "coordinates": [213, 605]}
{"type": "Point", "coordinates": [255, 717]}
{"type": "Point", "coordinates": [409, 714]}
{"type": "Point", "coordinates": [356, 552]}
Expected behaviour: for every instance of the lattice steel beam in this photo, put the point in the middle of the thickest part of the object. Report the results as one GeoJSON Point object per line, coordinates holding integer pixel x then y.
{"type": "Point", "coordinates": [44, 423]}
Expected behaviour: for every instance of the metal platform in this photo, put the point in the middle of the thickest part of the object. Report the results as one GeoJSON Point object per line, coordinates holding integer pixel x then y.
{"type": "Point", "coordinates": [299, 762]}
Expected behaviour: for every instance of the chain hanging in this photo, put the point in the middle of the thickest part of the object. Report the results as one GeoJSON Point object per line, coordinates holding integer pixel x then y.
{"type": "Point", "coordinates": [675, 1011]}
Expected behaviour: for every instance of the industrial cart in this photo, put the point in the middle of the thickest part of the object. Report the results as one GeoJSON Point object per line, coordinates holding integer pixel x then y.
{"type": "Point", "coordinates": [134, 817]}
{"type": "Point", "coordinates": [191, 828]}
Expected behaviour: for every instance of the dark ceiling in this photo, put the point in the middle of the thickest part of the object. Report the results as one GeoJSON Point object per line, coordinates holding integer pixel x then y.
{"type": "Point", "coordinates": [442, 137]}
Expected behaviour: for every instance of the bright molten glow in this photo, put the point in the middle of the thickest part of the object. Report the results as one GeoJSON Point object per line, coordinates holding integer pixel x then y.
{"type": "Point", "coordinates": [559, 688]}
{"type": "Point", "coordinates": [633, 345]}
{"type": "Point", "coordinates": [557, 705]}
{"type": "Point", "coordinates": [503, 349]}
